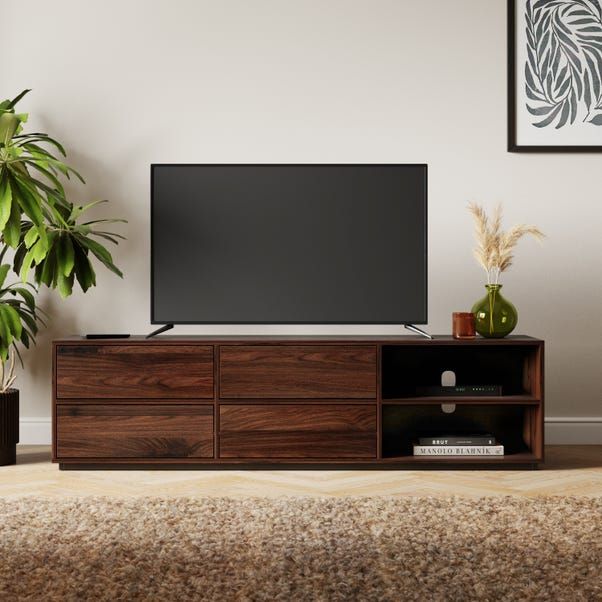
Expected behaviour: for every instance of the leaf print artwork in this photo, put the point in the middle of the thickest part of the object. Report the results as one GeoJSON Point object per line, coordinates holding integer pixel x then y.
{"type": "Point", "coordinates": [563, 68]}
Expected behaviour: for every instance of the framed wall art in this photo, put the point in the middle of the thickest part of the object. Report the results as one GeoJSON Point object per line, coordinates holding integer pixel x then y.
{"type": "Point", "coordinates": [555, 75]}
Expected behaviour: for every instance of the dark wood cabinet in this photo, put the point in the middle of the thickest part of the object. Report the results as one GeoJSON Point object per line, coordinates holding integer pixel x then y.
{"type": "Point", "coordinates": [289, 401]}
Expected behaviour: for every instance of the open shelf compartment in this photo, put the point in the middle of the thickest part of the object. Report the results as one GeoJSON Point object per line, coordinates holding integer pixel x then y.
{"type": "Point", "coordinates": [514, 367]}
{"type": "Point", "coordinates": [516, 427]}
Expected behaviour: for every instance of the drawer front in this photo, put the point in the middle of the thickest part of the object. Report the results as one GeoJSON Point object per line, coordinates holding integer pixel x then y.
{"type": "Point", "coordinates": [134, 371]}
{"type": "Point", "coordinates": [298, 371]}
{"type": "Point", "coordinates": [297, 431]}
{"type": "Point", "coordinates": [134, 431]}
{"type": "Point", "coordinates": [297, 417]}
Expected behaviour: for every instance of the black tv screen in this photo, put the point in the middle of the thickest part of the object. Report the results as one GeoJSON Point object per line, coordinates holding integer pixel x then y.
{"type": "Point", "coordinates": [288, 244]}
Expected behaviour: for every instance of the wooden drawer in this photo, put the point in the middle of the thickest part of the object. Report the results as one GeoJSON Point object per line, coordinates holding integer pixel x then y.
{"type": "Point", "coordinates": [134, 431]}
{"type": "Point", "coordinates": [298, 371]}
{"type": "Point", "coordinates": [297, 431]}
{"type": "Point", "coordinates": [134, 371]}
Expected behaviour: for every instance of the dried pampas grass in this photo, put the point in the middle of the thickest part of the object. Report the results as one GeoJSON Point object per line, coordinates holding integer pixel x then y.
{"type": "Point", "coordinates": [495, 248]}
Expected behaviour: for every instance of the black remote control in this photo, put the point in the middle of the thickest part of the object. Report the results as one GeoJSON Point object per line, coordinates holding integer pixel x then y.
{"type": "Point", "coordinates": [108, 336]}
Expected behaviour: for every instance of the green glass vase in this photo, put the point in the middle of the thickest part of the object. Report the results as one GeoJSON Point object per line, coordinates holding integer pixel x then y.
{"type": "Point", "coordinates": [495, 317]}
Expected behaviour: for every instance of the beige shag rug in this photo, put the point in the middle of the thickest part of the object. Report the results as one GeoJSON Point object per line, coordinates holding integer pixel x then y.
{"type": "Point", "coordinates": [288, 549]}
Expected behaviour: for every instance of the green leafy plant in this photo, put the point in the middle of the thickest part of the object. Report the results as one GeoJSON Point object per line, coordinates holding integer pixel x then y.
{"type": "Point", "coordinates": [69, 247]}
{"type": "Point", "coordinates": [19, 316]}
{"type": "Point", "coordinates": [51, 237]}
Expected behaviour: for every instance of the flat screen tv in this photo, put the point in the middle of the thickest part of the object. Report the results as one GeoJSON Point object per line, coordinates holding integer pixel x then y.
{"type": "Point", "coordinates": [288, 244]}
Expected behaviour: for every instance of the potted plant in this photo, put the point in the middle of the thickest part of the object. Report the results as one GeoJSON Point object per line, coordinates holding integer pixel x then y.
{"type": "Point", "coordinates": [52, 242]}
{"type": "Point", "coordinates": [9, 413]}
{"type": "Point", "coordinates": [495, 316]}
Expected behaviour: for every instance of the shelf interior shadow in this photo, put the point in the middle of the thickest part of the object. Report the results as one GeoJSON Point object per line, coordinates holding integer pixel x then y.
{"type": "Point", "coordinates": [403, 424]}
{"type": "Point", "coordinates": [404, 369]}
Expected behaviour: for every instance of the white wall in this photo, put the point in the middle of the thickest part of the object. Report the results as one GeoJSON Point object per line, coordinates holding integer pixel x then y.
{"type": "Point", "coordinates": [124, 83]}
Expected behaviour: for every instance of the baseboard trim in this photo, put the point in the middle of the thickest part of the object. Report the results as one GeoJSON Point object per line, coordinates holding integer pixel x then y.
{"type": "Point", "coordinates": [35, 431]}
{"type": "Point", "coordinates": [559, 430]}
{"type": "Point", "coordinates": [574, 430]}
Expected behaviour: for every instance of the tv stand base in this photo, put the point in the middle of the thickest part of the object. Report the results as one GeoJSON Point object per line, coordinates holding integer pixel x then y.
{"type": "Point", "coordinates": [163, 328]}
{"type": "Point", "coordinates": [419, 331]}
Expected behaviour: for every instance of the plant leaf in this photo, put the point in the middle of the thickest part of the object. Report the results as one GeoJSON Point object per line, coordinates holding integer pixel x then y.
{"type": "Point", "coordinates": [46, 270]}
{"type": "Point", "coordinates": [65, 255]}
{"type": "Point", "coordinates": [17, 98]}
{"type": "Point", "coordinates": [3, 272]}
{"type": "Point", "coordinates": [84, 272]}
{"type": "Point", "coordinates": [29, 200]}
{"type": "Point", "coordinates": [6, 337]}
{"type": "Point", "coordinates": [27, 263]}
{"type": "Point", "coordinates": [77, 210]}
{"type": "Point", "coordinates": [27, 297]}
{"type": "Point", "coordinates": [110, 237]}
{"type": "Point", "coordinates": [12, 319]}
{"type": "Point", "coordinates": [31, 237]}
{"type": "Point", "coordinates": [100, 252]}
{"type": "Point", "coordinates": [18, 258]}
{"type": "Point", "coordinates": [9, 123]}
{"type": "Point", "coordinates": [30, 322]}
{"type": "Point", "coordinates": [5, 201]}
{"type": "Point", "coordinates": [12, 231]}
{"type": "Point", "coordinates": [65, 284]}
{"type": "Point", "coordinates": [35, 163]}
{"type": "Point", "coordinates": [41, 137]}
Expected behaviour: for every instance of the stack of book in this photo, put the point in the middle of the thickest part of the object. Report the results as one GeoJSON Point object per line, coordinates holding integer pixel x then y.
{"type": "Point", "coordinates": [458, 445]}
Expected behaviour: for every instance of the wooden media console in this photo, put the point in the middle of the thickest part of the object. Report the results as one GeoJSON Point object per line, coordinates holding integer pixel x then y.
{"type": "Point", "coordinates": [320, 402]}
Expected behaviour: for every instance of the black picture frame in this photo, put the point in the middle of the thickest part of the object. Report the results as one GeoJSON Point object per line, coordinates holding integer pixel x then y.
{"type": "Point", "coordinates": [513, 146]}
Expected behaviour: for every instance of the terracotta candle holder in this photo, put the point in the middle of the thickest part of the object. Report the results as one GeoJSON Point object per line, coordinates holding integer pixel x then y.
{"type": "Point", "coordinates": [463, 325]}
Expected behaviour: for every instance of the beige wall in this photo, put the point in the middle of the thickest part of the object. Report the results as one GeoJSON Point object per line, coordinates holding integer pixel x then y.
{"type": "Point", "coordinates": [128, 82]}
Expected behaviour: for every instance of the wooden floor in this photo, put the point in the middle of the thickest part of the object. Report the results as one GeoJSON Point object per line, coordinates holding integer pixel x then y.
{"type": "Point", "coordinates": [569, 470]}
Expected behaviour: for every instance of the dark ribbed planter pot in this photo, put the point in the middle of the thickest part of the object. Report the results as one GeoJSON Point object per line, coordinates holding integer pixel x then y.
{"type": "Point", "coordinates": [9, 426]}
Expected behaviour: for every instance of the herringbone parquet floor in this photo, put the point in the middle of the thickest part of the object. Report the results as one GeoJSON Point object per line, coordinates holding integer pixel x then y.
{"type": "Point", "coordinates": [569, 470]}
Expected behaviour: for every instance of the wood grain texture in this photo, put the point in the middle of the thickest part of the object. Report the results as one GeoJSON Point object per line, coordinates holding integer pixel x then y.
{"type": "Point", "coordinates": [298, 371]}
{"type": "Point", "coordinates": [294, 444]}
{"type": "Point", "coordinates": [297, 417]}
{"type": "Point", "coordinates": [297, 431]}
{"type": "Point", "coordinates": [134, 371]}
{"type": "Point", "coordinates": [134, 431]}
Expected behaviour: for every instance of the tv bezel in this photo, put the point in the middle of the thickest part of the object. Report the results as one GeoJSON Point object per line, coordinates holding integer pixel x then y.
{"type": "Point", "coordinates": [418, 321]}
